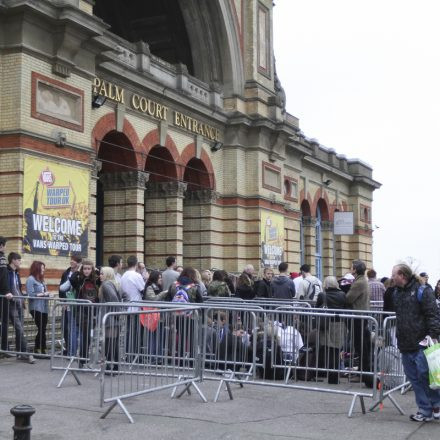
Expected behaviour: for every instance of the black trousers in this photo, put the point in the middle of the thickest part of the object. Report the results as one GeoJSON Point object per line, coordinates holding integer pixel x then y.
{"type": "Point", "coordinates": [40, 320]}
{"type": "Point", "coordinates": [4, 310]}
{"type": "Point", "coordinates": [111, 349]}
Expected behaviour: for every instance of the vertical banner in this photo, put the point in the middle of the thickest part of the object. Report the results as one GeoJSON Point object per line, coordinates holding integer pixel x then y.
{"type": "Point", "coordinates": [272, 238]}
{"type": "Point", "coordinates": [55, 208]}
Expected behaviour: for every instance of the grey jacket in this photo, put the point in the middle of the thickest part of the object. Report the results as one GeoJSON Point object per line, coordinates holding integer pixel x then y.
{"type": "Point", "coordinates": [33, 287]}
{"type": "Point", "coordinates": [358, 297]}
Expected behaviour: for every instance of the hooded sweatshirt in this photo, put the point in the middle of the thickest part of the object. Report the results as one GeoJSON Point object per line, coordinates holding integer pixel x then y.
{"type": "Point", "coordinates": [283, 287]}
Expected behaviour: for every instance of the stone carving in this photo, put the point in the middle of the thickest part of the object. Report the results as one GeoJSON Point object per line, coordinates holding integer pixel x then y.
{"type": "Point", "coordinates": [156, 190]}
{"type": "Point", "coordinates": [124, 180]}
{"type": "Point", "coordinates": [201, 197]}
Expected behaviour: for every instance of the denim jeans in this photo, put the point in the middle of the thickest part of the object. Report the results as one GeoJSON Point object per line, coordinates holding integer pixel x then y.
{"type": "Point", "coordinates": [416, 370]}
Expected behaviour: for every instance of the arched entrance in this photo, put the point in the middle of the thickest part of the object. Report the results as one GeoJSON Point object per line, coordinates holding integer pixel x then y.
{"type": "Point", "coordinates": [163, 207]}
{"type": "Point", "coordinates": [199, 242]}
{"type": "Point", "coordinates": [117, 183]}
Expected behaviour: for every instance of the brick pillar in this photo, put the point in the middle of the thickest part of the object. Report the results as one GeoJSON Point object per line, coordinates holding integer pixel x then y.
{"type": "Point", "coordinates": [163, 222]}
{"type": "Point", "coordinates": [124, 213]}
{"type": "Point", "coordinates": [309, 242]}
{"type": "Point", "coordinates": [201, 237]}
{"type": "Point", "coordinates": [327, 248]}
{"type": "Point", "coordinates": [292, 243]}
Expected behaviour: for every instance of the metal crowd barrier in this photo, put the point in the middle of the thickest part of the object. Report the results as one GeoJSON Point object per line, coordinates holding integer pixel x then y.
{"type": "Point", "coordinates": [163, 350]}
{"type": "Point", "coordinates": [390, 369]}
{"type": "Point", "coordinates": [27, 325]}
{"type": "Point", "coordinates": [289, 346]}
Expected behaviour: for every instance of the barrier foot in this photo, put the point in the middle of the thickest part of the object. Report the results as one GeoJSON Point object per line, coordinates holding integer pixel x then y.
{"type": "Point", "coordinates": [187, 389]}
{"type": "Point", "coordinates": [217, 394]}
{"type": "Point", "coordinates": [67, 372]}
{"type": "Point", "coordinates": [199, 392]}
{"type": "Point", "coordinates": [353, 401]}
{"type": "Point", "coordinates": [173, 393]}
{"type": "Point", "coordinates": [361, 398]}
{"type": "Point", "coordinates": [393, 401]}
{"type": "Point", "coordinates": [122, 406]}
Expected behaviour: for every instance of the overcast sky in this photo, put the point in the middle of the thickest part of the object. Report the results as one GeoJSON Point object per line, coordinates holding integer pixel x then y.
{"type": "Point", "coordinates": [363, 77]}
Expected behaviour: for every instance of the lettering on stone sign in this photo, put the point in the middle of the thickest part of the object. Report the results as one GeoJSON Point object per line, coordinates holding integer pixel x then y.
{"type": "Point", "coordinates": [195, 126]}
{"type": "Point", "coordinates": [109, 90]}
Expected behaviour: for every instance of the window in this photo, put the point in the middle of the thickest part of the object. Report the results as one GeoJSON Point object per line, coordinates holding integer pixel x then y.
{"type": "Point", "coordinates": [271, 177]}
{"type": "Point", "coordinates": [290, 189]}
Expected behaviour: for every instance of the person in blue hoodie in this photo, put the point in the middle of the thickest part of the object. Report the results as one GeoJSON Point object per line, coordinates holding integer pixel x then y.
{"type": "Point", "coordinates": [283, 286]}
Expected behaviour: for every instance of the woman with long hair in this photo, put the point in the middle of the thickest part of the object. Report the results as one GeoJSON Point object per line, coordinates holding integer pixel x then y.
{"type": "Point", "coordinates": [109, 293]}
{"type": "Point", "coordinates": [38, 308]}
{"type": "Point", "coordinates": [85, 284]}
{"type": "Point", "coordinates": [153, 288]}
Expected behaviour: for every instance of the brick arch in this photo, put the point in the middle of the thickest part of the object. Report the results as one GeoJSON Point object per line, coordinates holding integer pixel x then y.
{"type": "Point", "coordinates": [189, 153]}
{"type": "Point", "coordinates": [321, 197]}
{"type": "Point", "coordinates": [152, 139]}
{"type": "Point", "coordinates": [305, 208]}
{"type": "Point", "coordinates": [106, 124]}
{"type": "Point", "coordinates": [307, 199]}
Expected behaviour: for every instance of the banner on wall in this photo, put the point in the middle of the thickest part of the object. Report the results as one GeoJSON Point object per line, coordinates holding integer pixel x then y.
{"type": "Point", "coordinates": [55, 208]}
{"type": "Point", "coordinates": [272, 238]}
{"type": "Point", "coordinates": [343, 223]}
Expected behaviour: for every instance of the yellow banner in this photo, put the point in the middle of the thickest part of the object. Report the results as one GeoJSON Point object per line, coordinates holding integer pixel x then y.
{"type": "Point", "coordinates": [272, 238]}
{"type": "Point", "coordinates": [55, 208]}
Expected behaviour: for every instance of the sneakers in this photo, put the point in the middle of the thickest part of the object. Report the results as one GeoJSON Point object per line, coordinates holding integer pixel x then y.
{"type": "Point", "coordinates": [29, 359]}
{"type": "Point", "coordinates": [436, 413]}
{"type": "Point", "coordinates": [419, 417]}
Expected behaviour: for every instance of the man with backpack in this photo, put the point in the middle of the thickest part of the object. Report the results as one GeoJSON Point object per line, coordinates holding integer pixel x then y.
{"type": "Point", "coordinates": [310, 286]}
{"type": "Point", "coordinates": [417, 316]}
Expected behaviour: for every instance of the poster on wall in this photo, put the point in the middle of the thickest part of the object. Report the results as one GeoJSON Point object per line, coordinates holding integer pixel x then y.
{"type": "Point", "coordinates": [343, 223]}
{"type": "Point", "coordinates": [272, 238]}
{"type": "Point", "coordinates": [55, 208]}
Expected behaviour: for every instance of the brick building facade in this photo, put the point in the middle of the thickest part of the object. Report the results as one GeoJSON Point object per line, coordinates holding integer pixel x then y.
{"type": "Point", "coordinates": [177, 115]}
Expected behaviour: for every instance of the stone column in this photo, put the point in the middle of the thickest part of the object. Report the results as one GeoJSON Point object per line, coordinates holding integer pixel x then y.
{"type": "Point", "coordinates": [96, 168]}
{"type": "Point", "coordinates": [309, 242]}
{"type": "Point", "coordinates": [163, 222]}
{"type": "Point", "coordinates": [327, 248]}
{"type": "Point", "coordinates": [202, 237]}
{"type": "Point", "coordinates": [124, 213]}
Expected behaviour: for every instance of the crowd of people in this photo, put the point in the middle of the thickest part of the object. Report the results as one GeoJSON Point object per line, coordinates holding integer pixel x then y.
{"type": "Point", "coordinates": [409, 295]}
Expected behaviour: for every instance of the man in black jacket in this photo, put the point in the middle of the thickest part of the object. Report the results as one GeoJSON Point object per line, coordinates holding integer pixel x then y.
{"type": "Point", "coordinates": [4, 302]}
{"type": "Point", "coordinates": [417, 316]}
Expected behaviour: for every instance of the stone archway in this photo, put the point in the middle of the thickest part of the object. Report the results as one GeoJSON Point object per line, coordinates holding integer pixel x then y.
{"type": "Point", "coordinates": [119, 190]}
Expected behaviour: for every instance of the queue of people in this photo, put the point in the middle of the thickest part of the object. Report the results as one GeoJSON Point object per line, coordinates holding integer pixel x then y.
{"type": "Point", "coordinates": [409, 295]}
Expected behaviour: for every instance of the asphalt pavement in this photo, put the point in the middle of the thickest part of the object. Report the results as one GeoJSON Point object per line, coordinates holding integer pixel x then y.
{"type": "Point", "coordinates": [256, 412]}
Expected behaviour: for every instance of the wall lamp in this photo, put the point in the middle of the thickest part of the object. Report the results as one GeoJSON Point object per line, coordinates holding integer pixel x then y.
{"type": "Point", "coordinates": [98, 101]}
{"type": "Point", "coordinates": [217, 146]}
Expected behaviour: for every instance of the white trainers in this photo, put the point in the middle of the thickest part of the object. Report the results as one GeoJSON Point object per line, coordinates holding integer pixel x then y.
{"type": "Point", "coordinates": [419, 417]}
{"type": "Point", "coordinates": [31, 359]}
{"type": "Point", "coordinates": [436, 413]}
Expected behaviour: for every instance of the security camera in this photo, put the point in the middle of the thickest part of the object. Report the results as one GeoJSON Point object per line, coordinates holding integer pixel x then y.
{"type": "Point", "coordinates": [61, 139]}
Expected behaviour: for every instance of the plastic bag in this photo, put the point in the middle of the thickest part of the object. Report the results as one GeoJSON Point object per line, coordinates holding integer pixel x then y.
{"type": "Point", "coordinates": [150, 320]}
{"type": "Point", "coordinates": [432, 354]}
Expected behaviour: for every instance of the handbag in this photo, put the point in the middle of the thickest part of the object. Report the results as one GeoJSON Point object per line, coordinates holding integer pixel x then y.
{"type": "Point", "coordinates": [432, 354]}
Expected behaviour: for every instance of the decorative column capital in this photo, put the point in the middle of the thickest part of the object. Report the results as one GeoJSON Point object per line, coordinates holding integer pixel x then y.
{"type": "Point", "coordinates": [326, 225]}
{"type": "Point", "coordinates": [308, 221]}
{"type": "Point", "coordinates": [161, 190]}
{"type": "Point", "coordinates": [201, 197]}
{"type": "Point", "coordinates": [124, 180]}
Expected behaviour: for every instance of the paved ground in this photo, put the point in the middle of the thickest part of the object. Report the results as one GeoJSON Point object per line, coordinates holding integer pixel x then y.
{"type": "Point", "coordinates": [72, 412]}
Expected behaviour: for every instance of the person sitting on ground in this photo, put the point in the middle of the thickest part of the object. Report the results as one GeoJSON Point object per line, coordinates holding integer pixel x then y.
{"type": "Point", "coordinates": [283, 286]}
{"type": "Point", "coordinates": [218, 286]}
{"type": "Point", "coordinates": [263, 286]}
{"type": "Point", "coordinates": [245, 283]}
